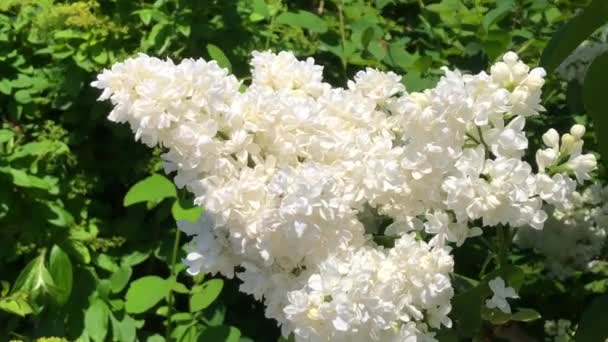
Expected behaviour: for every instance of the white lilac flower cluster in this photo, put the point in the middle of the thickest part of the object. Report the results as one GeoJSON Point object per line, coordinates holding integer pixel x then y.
{"type": "Point", "coordinates": [560, 330]}
{"type": "Point", "coordinates": [574, 67]}
{"type": "Point", "coordinates": [572, 236]}
{"type": "Point", "coordinates": [288, 168]}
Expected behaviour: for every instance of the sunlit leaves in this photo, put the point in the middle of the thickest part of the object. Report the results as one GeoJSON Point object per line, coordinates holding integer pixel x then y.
{"type": "Point", "coordinates": [204, 295]}
{"type": "Point", "coordinates": [96, 320]}
{"type": "Point", "coordinates": [146, 292]}
{"type": "Point", "coordinates": [152, 189]}
{"type": "Point", "coordinates": [60, 268]}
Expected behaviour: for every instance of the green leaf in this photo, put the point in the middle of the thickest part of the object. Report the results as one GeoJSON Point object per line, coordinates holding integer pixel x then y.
{"type": "Point", "coordinates": [125, 330]}
{"type": "Point", "coordinates": [36, 279]}
{"type": "Point", "coordinates": [6, 135]}
{"type": "Point", "coordinates": [219, 333]}
{"type": "Point", "coordinates": [380, 4]}
{"type": "Point", "coordinates": [302, 19]}
{"type": "Point", "coordinates": [22, 179]}
{"type": "Point", "coordinates": [23, 96]}
{"type": "Point", "coordinates": [525, 315]}
{"type": "Point", "coordinates": [78, 249]}
{"type": "Point", "coordinates": [120, 278]}
{"type": "Point", "coordinates": [495, 15]}
{"type": "Point", "coordinates": [17, 304]}
{"type": "Point", "coordinates": [60, 268]}
{"type": "Point", "coordinates": [5, 86]}
{"type": "Point", "coordinates": [155, 338]}
{"type": "Point", "coordinates": [146, 292]}
{"type": "Point", "coordinates": [466, 312]}
{"type": "Point", "coordinates": [494, 316]}
{"type": "Point", "coordinates": [96, 320]}
{"type": "Point", "coordinates": [152, 189]}
{"type": "Point", "coordinates": [62, 218]}
{"type": "Point", "coordinates": [180, 288]}
{"type": "Point", "coordinates": [135, 258]}
{"type": "Point", "coordinates": [596, 103]}
{"type": "Point", "coordinates": [592, 326]}
{"type": "Point", "coordinates": [571, 35]}
{"type": "Point", "coordinates": [260, 11]}
{"type": "Point", "coordinates": [187, 333]}
{"type": "Point", "coordinates": [218, 55]}
{"type": "Point", "coordinates": [204, 295]}
{"type": "Point", "coordinates": [180, 213]}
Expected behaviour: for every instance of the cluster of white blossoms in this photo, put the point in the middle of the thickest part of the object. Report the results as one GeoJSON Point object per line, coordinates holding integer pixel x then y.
{"type": "Point", "coordinates": [290, 168]}
{"type": "Point", "coordinates": [572, 236]}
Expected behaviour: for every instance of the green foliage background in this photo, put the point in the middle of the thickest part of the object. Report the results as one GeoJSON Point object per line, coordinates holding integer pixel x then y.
{"type": "Point", "coordinates": [88, 253]}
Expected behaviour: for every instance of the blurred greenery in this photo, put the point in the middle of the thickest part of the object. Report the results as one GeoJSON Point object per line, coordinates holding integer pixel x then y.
{"type": "Point", "coordinates": [89, 248]}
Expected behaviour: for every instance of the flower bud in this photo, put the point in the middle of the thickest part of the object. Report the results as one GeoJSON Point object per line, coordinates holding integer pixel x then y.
{"type": "Point", "coordinates": [577, 131]}
{"type": "Point", "coordinates": [551, 138]}
{"type": "Point", "coordinates": [567, 143]}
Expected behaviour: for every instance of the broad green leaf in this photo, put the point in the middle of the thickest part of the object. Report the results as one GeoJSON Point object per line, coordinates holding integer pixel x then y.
{"type": "Point", "coordinates": [596, 102]}
{"type": "Point", "coordinates": [466, 312]}
{"type": "Point", "coordinates": [204, 295]}
{"type": "Point", "coordinates": [146, 292]}
{"type": "Point", "coordinates": [6, 135]}
{"type": "Point", "coordinates": [260, 11]}
{"type": "Point", "coordinates": [125, 330]}
{"type": "Point", "coordinates": [36, 279]}
{"type": "Point", "coordinates": [155, 338]}
{"type": "Point", "coordinates": [218, 55]}
{"type": "Point", "coordinates": [68, 34]}
{"type": "Point", "coordinates": [152, 189]}
{"type": "Point", "coordinates": [190, 214]}
{"type": "Point", "coordinates": [79, 250]}
{"type": "Point", "coordinates": [120, 278]}
{"type": "Point", "coordinates": [23, 96]}
{"type": "Point", "coordinates": [222, 333]}
{"type": "Point", "coordinates": [17, 304]}
{"type": "Point", "coordinates": [494, 316]}
{"type": "Point", "coordinates": [593, 323]}
{"type": "Point", "coordinates": [135, 258]}
{"type": "Point", "coordinates": [495, 15]}
{"type": "Point", "coordinates": [62, 218]}
{"type": "Point", "coordinates": [187, 333]}
{"type": "Point", "coordinates": [180, 288]}
{"type": "Point", "coordinates": [5, 86]}
{"type": "Point", "coordinates": [302, 19]}
{"type": "Point", "coordinates": [525, 315]}
{"type": "Point", "coordinates": [60, 268]}
{"type": "Point", "coordinates": [380, 4]}
{"type": "Point", "coordinates": [22, 179]}
{"type": "Point", "coordinates": [96, 320]}
{"type": "Point", "coordinates": [571, 35]}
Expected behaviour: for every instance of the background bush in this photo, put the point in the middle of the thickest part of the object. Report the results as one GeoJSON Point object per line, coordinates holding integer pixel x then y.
{"type": "Point", "coordinates": [87, 252]}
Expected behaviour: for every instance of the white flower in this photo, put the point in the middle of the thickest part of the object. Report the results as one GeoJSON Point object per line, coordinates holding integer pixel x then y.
{"type": "Point", "coordinates": [377, 85]}
{"type": "Point", "coordinates": [582, 165]}
{"type": "Point", "coordinates": [500, 295]}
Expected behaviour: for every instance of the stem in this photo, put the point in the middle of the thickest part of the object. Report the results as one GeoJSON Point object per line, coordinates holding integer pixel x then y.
{"type": "Point", "coordinates": [342, 35]}
{"type": "Point", "coordinates": [172, 281]}
{"type": "Point", "coordinates": [271, 29]}
{"type": "Point", "coordinates": [524, 47]}
{"type": "Point", "coordinates": [504, 243]}
{"type": "Point", "coordinates": [485, 264]}
{"type": "Point", "coordinates": [483, 142]}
